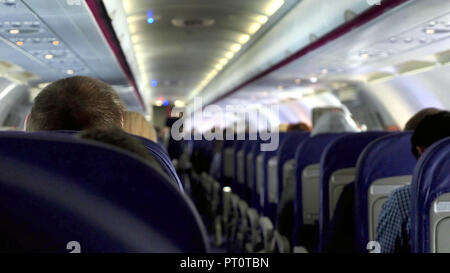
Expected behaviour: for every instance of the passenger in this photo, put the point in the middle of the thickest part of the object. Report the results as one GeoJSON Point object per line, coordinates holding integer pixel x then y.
{"type": "Point", "coordinates": [136, 124]}
{"type": "Point", "coordinates": [393, 231]}
{"type": "Point", "coordinates": [121, 139]}
{"type": "Point", "coordinates": [335, 122]}
{"type": "Point", "coordinates": [76, 103]}
{"type": "Point", "coordinates": [412, 124]}
{"type": "Point", "coordinates": [301, 126]}
{"type": "Point", "coordinates": [340, 237]}
{"type": "Point", "coordinates": [80, 103]}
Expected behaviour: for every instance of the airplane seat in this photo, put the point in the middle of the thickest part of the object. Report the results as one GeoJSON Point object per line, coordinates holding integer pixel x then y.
{"type": "Point", "coordinates": [286, 152]}
{"type": "Point", "coordinates": [156, 150]}
{"type": "Point", "coordinates": [286, 182]}
{"type": "Point", "coordinates": [236, 185]}
{"type": "Point", "coordinates": [306, 199]}
{"type": "Point", "coordinates": [430, 200]}
{"type": "Point", "coordinates": [259, 167]}
{"type": "Point", "coordinates": [337, 169]}
{"type": "Point", "coordinates": [243, 225]}
{"type": "Point", "coordinates": [228, 166]}
{"type": "Point", "coordinates": [385, 165]}
{"type": "Point", "coordinates": [252, 171]}
{"type": "Point", "coordinates": [107, 199]}
{"type": "Point", "coordinates": [246, 159]}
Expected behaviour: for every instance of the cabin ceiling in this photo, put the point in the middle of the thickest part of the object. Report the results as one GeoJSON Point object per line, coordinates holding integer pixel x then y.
{"type": "Point", "coordinates": [42, 41]}
{"type": "Point", "coordinates": [186, 44]}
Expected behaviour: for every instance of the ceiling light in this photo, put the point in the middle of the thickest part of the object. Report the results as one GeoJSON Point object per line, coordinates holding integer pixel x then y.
{"type": "Point", "coordinates": [274, 6]}
{"type": "Point", "coordinates": [127, 6]}
{"type": "Point", "coordinates": [226, 189]}
{"type": "Point", "coordinates": [298, 81]}
{"type": "Point", "coordinates": [313, 79]}
{"type": "Point", "coordinates": [254, 28]}
{"type": "Point", "coordinates": [223, 61]}
{"type": "Point", "coordinates": [236, 47]}
{"type": "Point", "coordinates": [229, 55]}
{"type": "Point", "coordinates": [244, 38]}
{"type": "Point", "coordinates": [49, 56]}
{"type": "Point", "coordinates": [364, 55]}
{"type": "Point", "coordinates": [70, 72]}
{"type": "Point", "coordinates": [219, 66]}
{"type": "Point", "coordinates": [179, 103]}
{"type": "Point", "coordinates": [55, 43]}
{"type": "Point", "coordinates": [133, 28]}
{"type": "Point", "coordinates": [14, 31]}
{"type": "Point", "coordinates": [19, 43]}
{"type": "Point", "coordinates": [262, 19]}
{"type": "Point", "coordinates": [430, 31]}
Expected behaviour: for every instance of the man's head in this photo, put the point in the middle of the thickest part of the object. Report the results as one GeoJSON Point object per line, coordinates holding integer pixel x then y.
{"type": "Point", "coordinates": [414, 121]}
{"type": "Point", "coordinates": [76, 103]}
{"type": "Point", "coordinates": [430, 130]}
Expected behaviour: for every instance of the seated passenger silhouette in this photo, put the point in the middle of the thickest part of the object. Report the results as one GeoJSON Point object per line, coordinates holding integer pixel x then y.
{"type": "Point", "coordinates": [301, 126]}
{"type": "Point", "coordinates": [393, 231]}
{"type": "Point", "coordinates": [80, 103]}
{"type": "Point", "coordinates": [340, 237]}
{"type": "Point", "coordinates": [120, 139]}
{"type": "Point", "coordinates": [136, 124]}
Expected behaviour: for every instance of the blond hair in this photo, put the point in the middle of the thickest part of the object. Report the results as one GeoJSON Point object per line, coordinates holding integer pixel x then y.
{"type": "Point", "coordinates": [136, 124]}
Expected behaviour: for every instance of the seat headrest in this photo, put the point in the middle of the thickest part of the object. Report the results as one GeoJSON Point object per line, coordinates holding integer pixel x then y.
{"type": "Point", "coordinates": [309, 152]}
{"type": "Point", "coordinates": [341, 153]}
{"type": "Point", "coordinates": [387, 156]}
{"type": "Point", "coordinates": [431, 179]}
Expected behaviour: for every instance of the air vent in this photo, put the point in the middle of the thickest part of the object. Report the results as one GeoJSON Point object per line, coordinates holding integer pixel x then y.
{"type": "Point", "coordinates": [193, 22]}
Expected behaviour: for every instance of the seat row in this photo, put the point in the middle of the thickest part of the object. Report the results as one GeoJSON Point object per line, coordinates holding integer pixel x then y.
{"type": "Point", "coordinates": [284, 200]}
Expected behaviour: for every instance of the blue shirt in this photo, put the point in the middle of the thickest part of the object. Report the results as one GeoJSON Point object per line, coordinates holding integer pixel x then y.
{"type": "Point", "coordinates": [394, 224]}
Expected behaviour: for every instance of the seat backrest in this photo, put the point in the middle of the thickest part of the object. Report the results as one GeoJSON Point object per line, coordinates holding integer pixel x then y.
{"type": "Point", "coordinates": [237, 186]}
{"type": "Point", "coordinates": [226, 166]}
{"type": "Point", "coordinates": [338, 168]}
{"type": "Point", "coordinates": [246, 172]}
{"type": "Point", "coordinates": [156, 150]}
{"type": "Point", "coordinates": [160, 154]}
{"type": "Point", "coordinates": [122, 196]}
{"type": "Point", "coordinates": [286, 152]}
{"type": "Point", "coordinates": [307, 159]}
{"type": "Point", "coordinates": [430, 200]}
{"type": "Point", "coordinates": [384, 165]}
